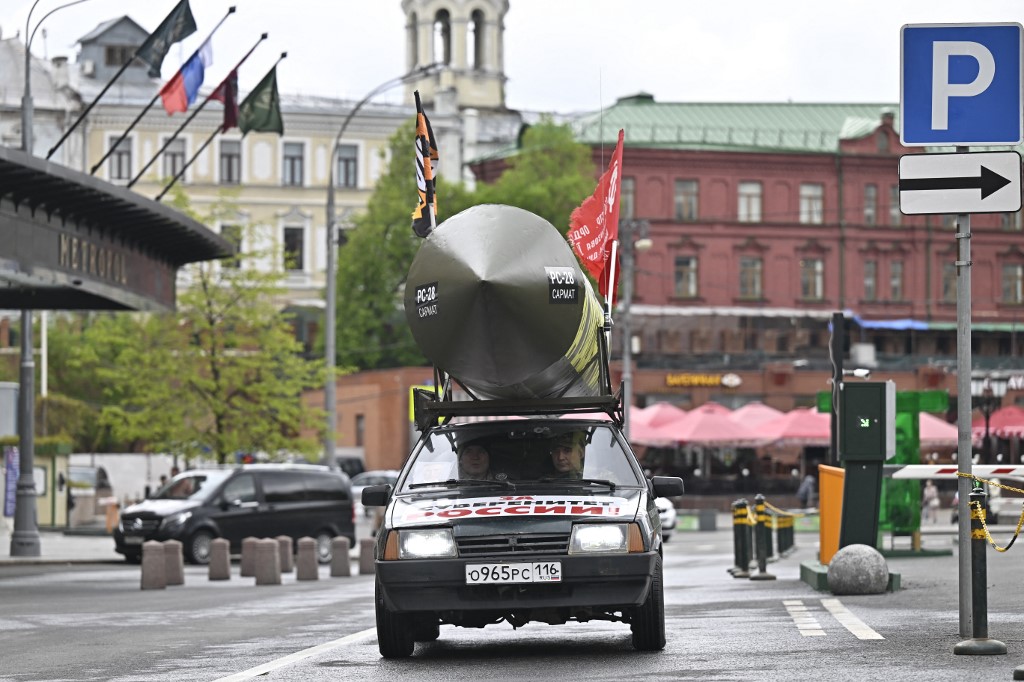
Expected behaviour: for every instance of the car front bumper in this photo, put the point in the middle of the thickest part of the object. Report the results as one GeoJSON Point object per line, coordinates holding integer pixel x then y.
{"type": "Point", "coordinates": [587, 581]}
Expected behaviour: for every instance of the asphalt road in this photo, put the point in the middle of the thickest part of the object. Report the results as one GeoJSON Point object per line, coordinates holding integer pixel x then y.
{"type": "Point", "coordinates": [92, 622]}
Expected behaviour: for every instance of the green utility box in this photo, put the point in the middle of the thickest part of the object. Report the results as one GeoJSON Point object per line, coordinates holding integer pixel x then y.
{"type": "Point", "coordinates": [867, 437]}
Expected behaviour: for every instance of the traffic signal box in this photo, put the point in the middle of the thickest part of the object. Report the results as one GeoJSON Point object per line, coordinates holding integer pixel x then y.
{"type": "Point", "coordinates": [867, 437]}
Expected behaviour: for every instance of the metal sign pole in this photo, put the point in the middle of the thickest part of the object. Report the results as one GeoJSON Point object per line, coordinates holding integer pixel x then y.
{"type": "Point", "coordinates": [963, 408]}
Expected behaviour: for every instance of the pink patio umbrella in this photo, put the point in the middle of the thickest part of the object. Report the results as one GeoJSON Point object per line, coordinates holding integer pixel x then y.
{"type": "Point", "coordinates": [755, 414]}
{"type": "Point", "coordinates": [801, 426]}
{"type": "Point", "coordinates": [708, 425]}
{"type": "Point", "coordinates": [657, 415]}
{"type": "Point", "coordinates": [935, 432]}
{"type": "Point", "coordinates": [1006, 422]}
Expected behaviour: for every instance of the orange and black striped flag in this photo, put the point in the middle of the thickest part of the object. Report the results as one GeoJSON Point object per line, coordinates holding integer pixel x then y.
{"type": "Point", "coordinates": [424, 217]}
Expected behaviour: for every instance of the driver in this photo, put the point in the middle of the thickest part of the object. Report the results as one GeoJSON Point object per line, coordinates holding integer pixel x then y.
{"type": "Point", "coordinates": [567, 453]}
{"type": "Point", "coordinates": [475, 462]}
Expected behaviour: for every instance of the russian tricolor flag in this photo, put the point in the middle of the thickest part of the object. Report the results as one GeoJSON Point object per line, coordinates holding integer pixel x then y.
{"type": "Point", "coordinates": [180, 92]}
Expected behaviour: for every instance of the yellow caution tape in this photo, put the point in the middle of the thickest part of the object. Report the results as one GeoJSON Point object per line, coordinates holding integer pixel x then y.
{"type": "Point", "coordinates": [977, 512]}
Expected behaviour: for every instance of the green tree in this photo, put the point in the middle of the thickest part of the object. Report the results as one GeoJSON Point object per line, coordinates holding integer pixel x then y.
{"type": "Point", "coordinates": [551, 175]}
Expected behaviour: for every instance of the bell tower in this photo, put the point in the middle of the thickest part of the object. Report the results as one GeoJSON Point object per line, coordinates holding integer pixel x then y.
{"type": "Point", "coordinates": [467, 37]}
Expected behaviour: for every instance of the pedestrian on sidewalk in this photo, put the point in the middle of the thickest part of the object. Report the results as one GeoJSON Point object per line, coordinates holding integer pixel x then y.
{"type": "Point", "coordinates": [930, 503]}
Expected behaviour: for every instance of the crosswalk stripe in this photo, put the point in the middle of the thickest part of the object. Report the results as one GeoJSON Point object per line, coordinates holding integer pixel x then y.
{"type": "Point", "coordinates": [849, 621]}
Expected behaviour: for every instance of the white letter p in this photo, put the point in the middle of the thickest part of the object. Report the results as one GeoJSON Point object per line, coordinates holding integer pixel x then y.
{"type": "Point", "coordinates": [942, 89]}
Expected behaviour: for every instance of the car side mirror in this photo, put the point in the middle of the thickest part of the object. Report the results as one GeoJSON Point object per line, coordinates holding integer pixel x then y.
{"type": "Point", "coordinates": [376, 495]}
{"type": "Point", "coordinates": [667, 486]}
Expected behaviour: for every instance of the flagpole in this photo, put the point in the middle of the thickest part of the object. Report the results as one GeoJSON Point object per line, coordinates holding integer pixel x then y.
{"type": "Point", "coordinates": [219, 129]}
{"type": "Point", "coordinates": [117, 75]}
{"type": "Point", "coordinates": [196, 111]}
{"type": "Point", "coordinates": [149, 106]}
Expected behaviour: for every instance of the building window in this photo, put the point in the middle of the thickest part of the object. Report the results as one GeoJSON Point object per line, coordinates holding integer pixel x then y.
{"type": "Point", "coordinates": [360, 430]}
{"type": "Point", "coordinates": [174, 158]}
{"type": "Point", "coordinates": [948, 283]}
{"type": "Point", "coordinates": [233, 235]}
{"type": "Point", "coordinates": [870, 204]}
{"type": "Point", "coordinates": [442, 37]}
{"type": "Point", "coordinates": [870, 280]}
{"type": "Point", "coordinates": [896, 280]}
{"type": "Point", "coordinates": [749, 208]}
{"type": "Point", "coordinates": [812, 203]}
{"type": "Point", "coordinates": [686, 200]}
{"type": "Point", "coordinates": [230, 162]}
{"type": "Point", "coordinates": [627, 199]}
{"type": "Point", "coordinates": [1010, 221]}
{"type": "Point", "coordinates": [812, 279]}
{"type": "Point", "coordinates": [293, 248]}
{"type": "Point", "coordinates": [291, 173]}
{"type": "Point", "coordinates": [119, 163]}
{"type": "Point", "coordinates": [882, 141]}
{"type": "Point", "coordinates": [348, 168]}
{"type": "Point", "coordinates": [895, 217]}
{"type": "Point", "coordinates": [686, 277]}
{"type": "Point", "coordinates": [750, 277]}
{"type": "Point", "coordinates": [118, 55]}
{"type": "Point", "coordinates": [1013, 284]}
{"type": "Point", "coordinates": [475, 40]}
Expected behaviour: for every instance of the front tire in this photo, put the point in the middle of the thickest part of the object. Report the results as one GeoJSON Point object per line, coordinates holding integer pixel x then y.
{"type": "Point", "coordinates": [394, 634]}
{"type": "Point", "coordinates": [648, 622]}
{"type": "Point", "coordinates": [197, 550]}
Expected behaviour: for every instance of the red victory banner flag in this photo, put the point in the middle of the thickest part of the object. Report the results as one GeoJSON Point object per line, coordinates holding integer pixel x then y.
{"type": "Point", "coordinates": [594, 225]}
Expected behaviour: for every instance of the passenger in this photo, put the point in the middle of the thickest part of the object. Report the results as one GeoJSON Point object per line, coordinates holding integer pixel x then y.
{"type": "Point", "coordinates": [567, 455]}
{"type": "Point", "coordinates": [475, 462]}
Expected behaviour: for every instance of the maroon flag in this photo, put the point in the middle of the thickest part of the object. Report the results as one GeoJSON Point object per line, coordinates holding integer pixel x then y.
{"type": "Point", "coordinates": [227, 92]}
{"type": "Point", "coordinates": [594, 225]}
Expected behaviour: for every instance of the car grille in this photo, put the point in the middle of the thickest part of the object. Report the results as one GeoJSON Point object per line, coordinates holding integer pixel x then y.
{"type": "Point", "coordinates": [498, 545]}
{"type": "Point", "coordinates": [139, 526]}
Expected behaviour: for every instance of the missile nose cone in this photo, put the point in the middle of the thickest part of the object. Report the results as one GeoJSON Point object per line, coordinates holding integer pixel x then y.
{"type": "Point", "coordinates": [496, 298]}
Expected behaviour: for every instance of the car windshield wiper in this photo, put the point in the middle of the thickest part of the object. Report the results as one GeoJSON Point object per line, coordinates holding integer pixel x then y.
{"type": "Point", "coordinates": [591, 481]}
{"type": "Point", "coordinates": [460, 482]}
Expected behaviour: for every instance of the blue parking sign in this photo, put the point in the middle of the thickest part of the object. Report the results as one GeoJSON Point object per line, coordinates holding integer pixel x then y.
{"type": "Point", "coordinates": [960, 85]}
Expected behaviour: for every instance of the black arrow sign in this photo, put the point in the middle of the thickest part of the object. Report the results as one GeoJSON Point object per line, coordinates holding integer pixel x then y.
{"type": "Point", "coordinates": [988, 182]}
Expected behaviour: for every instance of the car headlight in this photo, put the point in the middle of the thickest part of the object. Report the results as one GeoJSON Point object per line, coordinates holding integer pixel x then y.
{"type": "Point", "coordinates": [430, 543]}
{"type": "Point", "coordinates": [175, 520]}
{"type": "Point", "coordinates": [599, 538]}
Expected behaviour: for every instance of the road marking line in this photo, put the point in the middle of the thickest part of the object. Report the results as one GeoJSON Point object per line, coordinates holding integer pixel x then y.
{"type": "Point", "coordinates": [299, 655]}
{"type": "Point", "coordinates": [849, 621]}
{"type": "Point", "coordinates": [806, 624]}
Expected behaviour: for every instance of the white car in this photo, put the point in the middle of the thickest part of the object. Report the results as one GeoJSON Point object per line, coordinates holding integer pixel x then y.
{"type": "Point", "coordinates": [667, 511]}
{"type": "Point", "coordinates": [360, 481]}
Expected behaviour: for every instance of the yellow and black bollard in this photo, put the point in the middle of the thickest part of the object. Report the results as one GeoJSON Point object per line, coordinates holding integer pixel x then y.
{"type": "Point", "coordinates": [979, 644]}
{"type": "Point", "coordinates": [740, 540]}
{"type": "Point", "coordinates": [763, 535]}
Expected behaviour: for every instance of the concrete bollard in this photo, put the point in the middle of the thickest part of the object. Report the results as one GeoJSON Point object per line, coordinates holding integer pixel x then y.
{"type": "Point", "coordinates": [366, 556]}
{"type": "Point", "coordinates": [306, 567]}
{"type": "Point", "coordinates": [247, 569]}
{"type": "Point", "coordinates": [220, 559]}
{"type": "Point", "coordinates": [267, 562]}
{"type": "Point", "coordinates": [154, 576]}
{"type": "Point", "coordinates": [174, 563]}
{"type": "Point", "coordinates": [284, 546]}
{"type": "Point", "coordinates": [341, 564]}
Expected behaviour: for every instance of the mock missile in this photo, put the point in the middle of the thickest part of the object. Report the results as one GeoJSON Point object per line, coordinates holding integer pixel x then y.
{"type": "Point", "coordinates": [496, 299]}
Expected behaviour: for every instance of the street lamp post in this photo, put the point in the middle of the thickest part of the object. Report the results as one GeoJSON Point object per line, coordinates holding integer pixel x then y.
{"type": "Point", "coordinates": [25, 538]}
{"type": "Point", "coordinates": [634, 237]}
{"type": "Point", "coordinates": [330, 313]}
{"type": "Point", "coordinates": [987, 396]}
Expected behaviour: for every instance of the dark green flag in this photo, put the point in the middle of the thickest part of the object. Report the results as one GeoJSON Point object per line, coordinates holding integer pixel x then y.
{"type": "Point", "coordinates": [261, 110]}
{"type": "Point", "coordinates": [176, 26]}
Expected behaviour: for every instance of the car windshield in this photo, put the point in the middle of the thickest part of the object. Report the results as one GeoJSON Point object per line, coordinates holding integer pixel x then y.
{"type": "Point", "coordinates": [192, 485]}
{"type": "Point", "coordinates": [534, 452]}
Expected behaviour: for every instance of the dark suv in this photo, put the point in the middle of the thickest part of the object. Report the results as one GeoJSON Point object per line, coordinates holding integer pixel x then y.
{"type": "Point", "coordinates": [545, 518]}
{"type": "Point", "coordinates": [260, 500]}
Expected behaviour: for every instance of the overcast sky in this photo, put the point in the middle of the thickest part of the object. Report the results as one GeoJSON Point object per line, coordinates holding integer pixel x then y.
{"type": "Point", "coordinates": [560, 55]}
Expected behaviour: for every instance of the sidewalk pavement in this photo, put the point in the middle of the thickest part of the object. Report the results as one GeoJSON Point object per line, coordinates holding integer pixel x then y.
{"type": "Point", "coordinates": [56, 547]}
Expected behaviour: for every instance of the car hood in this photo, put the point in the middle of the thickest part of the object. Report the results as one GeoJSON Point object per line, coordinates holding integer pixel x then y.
{"type": "Point", "coordinates": [159, 507]}
{"type": "Point", "coordinates": [620, 504]}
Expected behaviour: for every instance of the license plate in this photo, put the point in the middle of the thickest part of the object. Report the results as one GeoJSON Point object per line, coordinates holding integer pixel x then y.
{"type": "Point", "coordinates": [499, 574]}
{"type": "Point", "coordinates": [133, 539]}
